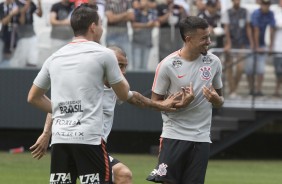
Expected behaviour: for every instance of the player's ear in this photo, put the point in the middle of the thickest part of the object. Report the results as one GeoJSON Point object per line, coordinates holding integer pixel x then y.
{"type": "Point", "coordinates": [187, 38]}
{"type": "Point", "coordinates": [92, 27]}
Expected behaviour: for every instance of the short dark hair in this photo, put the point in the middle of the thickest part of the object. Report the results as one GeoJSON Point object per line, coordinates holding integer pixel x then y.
{"type": "Point", "coordinates": [190, 24]}
{"type": "Point", "coordinates": [82, 17]}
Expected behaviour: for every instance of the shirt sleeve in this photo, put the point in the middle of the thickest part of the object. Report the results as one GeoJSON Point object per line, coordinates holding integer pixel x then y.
{"type": "Point", "coordinates": [217, 80]}
{"type": "Point", "coordinates": [33, 7]}
{"type": "Point", "coordinates": [161, 80]}
{"type": "Point", "coordinates": [112, 71]}
{"type": "Point", "coordinates": [272, 20]}
{"type": "Point", "coordinates": [42, 79]}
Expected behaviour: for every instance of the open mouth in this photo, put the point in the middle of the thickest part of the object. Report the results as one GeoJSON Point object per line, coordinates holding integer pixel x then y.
{"type": "Point", "coordinates": [205, 50]}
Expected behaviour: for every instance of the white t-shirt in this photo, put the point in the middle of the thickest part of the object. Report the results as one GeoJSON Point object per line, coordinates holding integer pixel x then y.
{"type": "Point", "coordinates": [109, 102]}
{"type": "Point", "coordinates": [193, 122]}
{"type": "Point", "coordinates": [76, 75]}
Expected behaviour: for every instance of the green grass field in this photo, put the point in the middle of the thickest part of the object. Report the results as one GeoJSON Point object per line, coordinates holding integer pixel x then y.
{"type": "Point", "coordinates": [22, 169]}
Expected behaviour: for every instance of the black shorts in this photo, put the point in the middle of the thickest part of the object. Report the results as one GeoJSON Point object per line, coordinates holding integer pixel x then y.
{"type": "Point", "coordinates": [89, 163]}
{"type": "Point", "coordinates": [181, 162]}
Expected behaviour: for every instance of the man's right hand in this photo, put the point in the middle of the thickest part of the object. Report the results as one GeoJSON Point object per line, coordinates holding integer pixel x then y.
{"type": "Point", "coordinates": [39, 149]}
{"type": "Point", "coordinates": [187, 97]}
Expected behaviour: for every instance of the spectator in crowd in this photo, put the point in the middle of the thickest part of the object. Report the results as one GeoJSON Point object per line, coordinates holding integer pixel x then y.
{"type": "Point", "coordinates": [221, 5]}
{"type": "Point", "coordinates": [145, 20]}
{"type": "Point", "coordinates": [260, 19]}
{"type": "Point", "coordinates": [201, 5]}
{"type": "Point", "coordinates": [9, 20]}
{"type": "Point", "coordinates": [23, 55]}
{"type": "Point", "coordinates": [277, 47]}
{"type": "Point", "coordinates": [119, 13]}
{"type": "Point", "coordinates": [236, 21]}
{"type": "Point", "coordinates": [61, 32]}
{"type": "Point", "coordinates": [212, 15]}
{"type": "Point", "coordinates": [169, 15]}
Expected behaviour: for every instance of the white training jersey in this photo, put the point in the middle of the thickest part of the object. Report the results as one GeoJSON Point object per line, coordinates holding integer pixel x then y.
{"type": "Point", "coordinates": [109, 102]}
{"type": "Point", "coordinates": [76, 75]}
{"type": "Point", "coordinates": [193, 122]}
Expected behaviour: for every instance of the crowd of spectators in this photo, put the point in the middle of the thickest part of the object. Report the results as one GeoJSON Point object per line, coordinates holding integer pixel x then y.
{"type": "Point", "coordinates": [148, 31]}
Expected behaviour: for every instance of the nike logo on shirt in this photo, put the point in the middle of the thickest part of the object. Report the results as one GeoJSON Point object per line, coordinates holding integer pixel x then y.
{"type": "Point", "coordinates": [181, 76]}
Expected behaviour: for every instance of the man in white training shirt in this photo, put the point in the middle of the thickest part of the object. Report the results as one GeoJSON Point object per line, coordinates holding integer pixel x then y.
{"type": "Point", "coordinates": [76, 74]}
{"type": "Point", "coordinates": [185, 138]}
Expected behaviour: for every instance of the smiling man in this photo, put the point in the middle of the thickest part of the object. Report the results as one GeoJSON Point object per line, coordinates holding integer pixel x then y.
{"type": "Point", "coordinates": [185, 139]}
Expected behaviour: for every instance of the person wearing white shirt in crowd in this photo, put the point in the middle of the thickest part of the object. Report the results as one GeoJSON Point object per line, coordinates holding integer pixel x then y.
{"type": "Point", "coordinates": [8, 21]}
{"type": "Point", "coordinates": [61, 32]}
{"type": "Point", "coordinates": [26, 55]}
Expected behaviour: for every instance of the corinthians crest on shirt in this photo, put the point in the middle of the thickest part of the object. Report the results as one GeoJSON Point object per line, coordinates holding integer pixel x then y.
{"type": "Point", "coordinates": [205, 73]}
